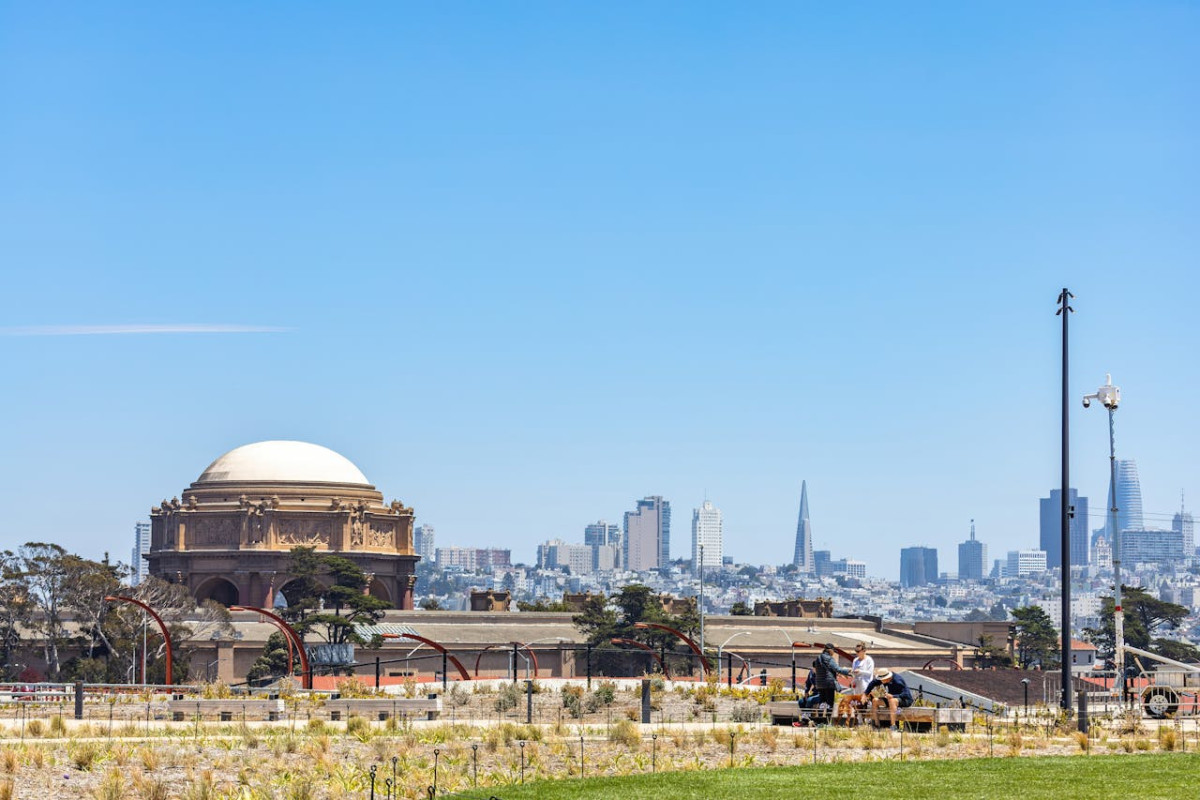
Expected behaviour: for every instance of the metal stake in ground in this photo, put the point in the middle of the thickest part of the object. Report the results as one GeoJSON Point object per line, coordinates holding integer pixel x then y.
{"type": "Point", "coordinates": [373, 768]}
{"type": "Point", "coordinates": [522, 751]}
{"type": "Point", "coordinates": [654, 752]}
{"type": "Point", "coordinates": [433, 789]}
{"type": "Point", "coordinates": [581, 756]}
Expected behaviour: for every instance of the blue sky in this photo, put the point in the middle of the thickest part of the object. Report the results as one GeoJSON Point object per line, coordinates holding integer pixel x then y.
{"type": "Point", "coordinates": [525, 263]}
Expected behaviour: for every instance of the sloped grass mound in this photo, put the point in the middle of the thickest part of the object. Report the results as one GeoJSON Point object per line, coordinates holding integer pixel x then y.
{"type": "Point", "coordinates": [1167, 776]}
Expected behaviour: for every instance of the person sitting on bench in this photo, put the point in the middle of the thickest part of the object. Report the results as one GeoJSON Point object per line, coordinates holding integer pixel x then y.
{"type": "Point", "coordinates": [896, 695]}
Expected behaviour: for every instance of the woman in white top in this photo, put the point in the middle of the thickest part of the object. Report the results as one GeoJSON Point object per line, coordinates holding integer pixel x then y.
{"type": "Point", "coordinates": [862, 670]}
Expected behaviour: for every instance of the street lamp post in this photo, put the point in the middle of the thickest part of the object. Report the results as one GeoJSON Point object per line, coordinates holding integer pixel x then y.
{"type": "Point", "coordinates": [721, 648]}
{"type": "Point", "coordinates": [792, 647]}
{"type": "Point", "coordinates": [1110, 397]}
{"type": "Point", "coordinates": [702, 602]}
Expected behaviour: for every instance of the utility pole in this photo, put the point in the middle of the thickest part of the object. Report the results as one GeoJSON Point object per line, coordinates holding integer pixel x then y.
{"type": "Point", "coordinates": [1065, 312]}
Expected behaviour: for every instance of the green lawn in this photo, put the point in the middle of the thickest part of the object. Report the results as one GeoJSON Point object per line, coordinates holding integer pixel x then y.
{"type": "Point", "coordinates": [1167, 775]}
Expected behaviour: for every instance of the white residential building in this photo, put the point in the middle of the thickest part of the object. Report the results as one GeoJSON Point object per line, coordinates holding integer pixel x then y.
{"type": "Point", "coordinates": [706, 533]}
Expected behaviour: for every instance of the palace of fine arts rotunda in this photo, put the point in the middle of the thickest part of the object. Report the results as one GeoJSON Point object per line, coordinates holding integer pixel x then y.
{"type": "Point", "coordinates": [230, 535]}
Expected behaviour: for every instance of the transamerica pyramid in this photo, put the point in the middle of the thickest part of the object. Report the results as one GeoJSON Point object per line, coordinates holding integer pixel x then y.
{"type": "Point", "coordinates": [804, 543]}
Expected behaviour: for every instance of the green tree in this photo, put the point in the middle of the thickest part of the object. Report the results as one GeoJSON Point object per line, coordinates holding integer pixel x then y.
{"type": "Point", "coordinates": [989, 654]}
{"type": "Point", "coordinates": [1145, 617]}
{"type": "Point", "coordinates": [603, 619]}
{"type": "Point", "coordinates": [41, 571]}
{"type": "Point", "coordinates": [1037, 641]}
{"type": "Point", "coordinates": [335, 609]}
{"type": "Point", "coordinates": [740, 609]}
{"type": "Point", "coordinates": [16, 614]}
{"type": "Point", "coordinates": [273, 663]}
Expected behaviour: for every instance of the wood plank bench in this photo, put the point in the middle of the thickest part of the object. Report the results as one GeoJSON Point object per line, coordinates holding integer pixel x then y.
{"type": "Point", "coordinates": [918, 718]}
{"type": "Point", "coordinates": [226, 710]}
{"type": "Point", "coordinates": [384, 708]}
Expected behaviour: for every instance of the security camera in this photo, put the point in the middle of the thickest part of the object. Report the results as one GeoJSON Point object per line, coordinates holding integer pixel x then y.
{"type": "Point", "coordinates": [1087, 401]}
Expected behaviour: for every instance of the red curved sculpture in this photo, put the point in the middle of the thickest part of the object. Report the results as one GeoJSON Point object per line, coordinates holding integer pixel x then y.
{"type": "Point", "coordinates": [695, 648]}
{"type": "Point", "coordinates": [635, 643]}
{"type": "Point", "coordinates": [162, 626]}
{"type": "Point", "coordinates": [466, 676]}
{"type": "Point", "coordinates": [289, 633]}
{"type": "Point", "coordinates": [532, 655]}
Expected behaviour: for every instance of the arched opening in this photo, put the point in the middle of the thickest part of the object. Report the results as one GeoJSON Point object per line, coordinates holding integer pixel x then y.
{"type": "Point", "coordinates": [220, 590]}
{"type": "Point", "coordinates": [377, 588]}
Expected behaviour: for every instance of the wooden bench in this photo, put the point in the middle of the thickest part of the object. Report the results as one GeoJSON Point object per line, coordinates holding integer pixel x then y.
{"type": "Point", "coordinates": [226, 710]}
{"type": "Point", "coordinates": [918, 718]}
{"type": "Point", "coordinates": [384, 708]}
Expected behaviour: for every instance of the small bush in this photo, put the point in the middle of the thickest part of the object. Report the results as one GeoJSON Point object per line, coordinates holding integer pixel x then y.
{"type": "Point", "coordinates": [112, 787]}
{"type": "Point", "coordinates": [606, 693]}
{"type": "Point", "coordinates": [746, 712]}
{"type": "Point", "coordinates": [356, 725]}
{"type": "Point", "coordinates": [58, 727]}
{"type": "Point", "coordinates": [35, 727]}
{"type": "Point", "coordinates": [10, 760]}
{"type": "Point", "coordinates": [1166, 738]}
{"type": "Point", "coordinates": [626, 733]}
{"type": "Point", "coordinates": [6, 790]}
{"type": "Point", "coordinates": [84, 754]}
{"type": "Point", "coordinates": [508, 697]}
{"type": "Point", "coordinates": [316, 725]}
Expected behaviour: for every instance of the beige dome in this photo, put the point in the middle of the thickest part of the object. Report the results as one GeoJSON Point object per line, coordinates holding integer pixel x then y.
{"type": "Point", "coordinates": [283, 462]}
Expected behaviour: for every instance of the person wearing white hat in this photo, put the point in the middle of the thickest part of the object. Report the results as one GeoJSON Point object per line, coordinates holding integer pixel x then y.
{"type": "Point", "coordinates": [896, 697]}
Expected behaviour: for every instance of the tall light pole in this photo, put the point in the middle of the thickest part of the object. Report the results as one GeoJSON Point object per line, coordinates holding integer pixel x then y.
{"type": "Point", "coordinates": [1065, 310]}
{"type": "Point", "coordinates": [702, 599]}
{"type": "Point", "coordinates": [1110, 397]}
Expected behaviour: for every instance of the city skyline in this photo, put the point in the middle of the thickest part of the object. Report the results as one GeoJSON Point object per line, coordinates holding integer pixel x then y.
{"type": "Point", "coordinates": [796, 242]}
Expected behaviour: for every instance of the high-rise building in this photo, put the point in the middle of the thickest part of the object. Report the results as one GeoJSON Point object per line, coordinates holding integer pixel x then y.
{"type": "Point", "coordinates": [706, 533]}
{"type": "Point", "coordinates": [972, 558]}
{"type": "Point", "coordinates": [557, 554]}
{"type": "Point", "coordinates": [1051, 528]}
{"type": "Point", "coordinates": [600, 533]}
{"type": "Point", "coordinates": [803, 556]}
{"type": "Point", "coordinates": [822, 563]}
{"type": "Point", "coordinates": [603, 534]}
{"type": "Point", "coordinates": [139, 567]}
{"type": "Point", "coordinates": [1129, 498]}
{"type": "Point", "coordinates": [423, 542]}
{"type": "Point", "coordinates": [1025, 562]}
{"type": "Point", "coordinates": [1183, 524]}
{"type": "Point", "coordinates": [918, 566]}
{"type": "Point", "coordinates": [472, 558]}
{"type": "Point", "coordinates": [647, 539]}
{"type": "Point", "coordinates": [1149, 546]}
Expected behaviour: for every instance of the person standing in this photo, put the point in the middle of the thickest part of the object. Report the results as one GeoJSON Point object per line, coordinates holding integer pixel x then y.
{"type": "Point", "coordinates": [827, 671]}
{"type": "Point", "coordinates": [862, 669]}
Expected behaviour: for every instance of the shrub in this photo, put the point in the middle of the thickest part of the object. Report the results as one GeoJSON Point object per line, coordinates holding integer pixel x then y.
{"type": "Point", "coordinates": [57, 726]}
{"type": "Point", "coordinates": [112, 787]}
{"type": "Point", "coordinates": [356, 725]}
{"type": "Point", "coordinates": [84, 754]}
{"type": "Point", "coordinates": [508, 697]}
{"type": "Point", "coordinates": [606, 693]}
{"type": "Point", "coordinates": [626, 733]}
{"type": "Point", "coordinates": [746, 712]}
{"type": "Point", "coordinates": [1166, 738]}
{"type": "Point", "coordinates": [35, 727]}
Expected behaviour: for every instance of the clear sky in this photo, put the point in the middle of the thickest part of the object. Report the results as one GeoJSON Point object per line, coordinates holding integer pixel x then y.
{"type": "Point", "coordinates": [526, 263]}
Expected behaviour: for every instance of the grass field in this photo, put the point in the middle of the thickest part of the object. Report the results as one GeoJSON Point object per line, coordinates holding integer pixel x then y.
{"type": "Point", "coordinates": [1167, 775]}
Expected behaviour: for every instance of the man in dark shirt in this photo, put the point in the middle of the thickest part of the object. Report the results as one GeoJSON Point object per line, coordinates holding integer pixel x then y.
{"type": "Point", "coordinates": [826, 670]}
{"type": "Point", "coordinates": [897, 694]}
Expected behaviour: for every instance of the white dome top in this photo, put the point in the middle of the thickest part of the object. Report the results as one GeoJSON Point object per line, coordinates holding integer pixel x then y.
{"type": "Point", "coordinates": [283, 462]}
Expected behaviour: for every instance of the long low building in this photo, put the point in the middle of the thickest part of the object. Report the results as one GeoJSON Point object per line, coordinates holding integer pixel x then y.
{"type": "Point", "coordinates": [484, 644]}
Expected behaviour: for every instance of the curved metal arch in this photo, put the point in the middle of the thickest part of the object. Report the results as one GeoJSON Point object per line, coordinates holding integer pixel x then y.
{"type": "Point", "coordinates": [306, 676]}
{"type": "Point", "coordinates": [162, 627]}
{"type": "Point", "coordinates": [532, 655]}
{"type": "Point", "coordinates": [953, 664]}
{"type": "Point", "coordinates": [466, 676]}
{"type": "Point", "coordinates": [686, 640]}
{"type": "Point", "coordinates": [642, 646]}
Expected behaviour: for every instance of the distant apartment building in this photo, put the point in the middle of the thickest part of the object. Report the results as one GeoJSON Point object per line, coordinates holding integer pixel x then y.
{"type": "Point", "coordinates": [1025, 562]}
{"type": "Point", "coordinates": [1151, 546]}
{"type": "Point", "coordinates": [557, 554]}
{"type": "Point", "coordinates": [647, 535]}
{"type": "Point", "coordinates": [605, 540]}
{"type": "Point", "coordinates": [1050, 539]}
{"type": "Point", "coordinates": [139, 567]}
{"type": "Point", "coordinates": [918, 566]}
{"type": "Point", "coordinates": [1182, 524]}
{"type": "Point", "coordinates": [707, 534]}
{"type": "Point", "coordinates": [423, 538]}
{"type": "Point", "coordinates": [472, 558]}
{"type": "Point", "coordinates": [972, 558]}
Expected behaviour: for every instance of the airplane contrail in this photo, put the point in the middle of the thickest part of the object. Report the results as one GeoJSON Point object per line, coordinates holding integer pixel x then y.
{"type": "Point", "coordinates": [119, 330]}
